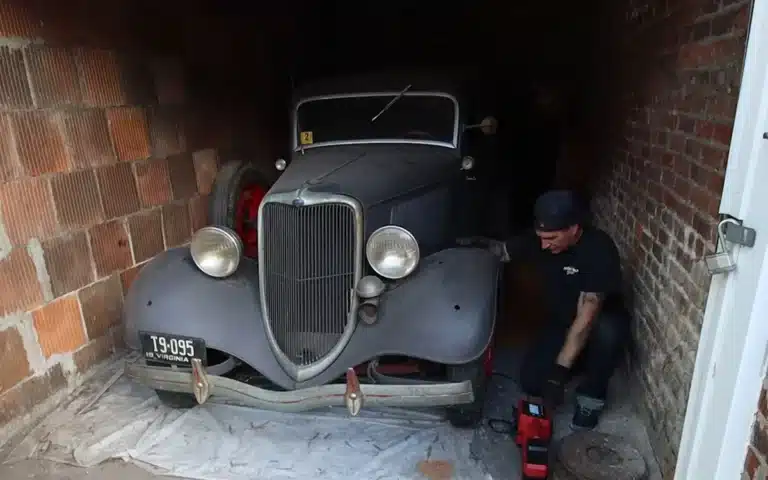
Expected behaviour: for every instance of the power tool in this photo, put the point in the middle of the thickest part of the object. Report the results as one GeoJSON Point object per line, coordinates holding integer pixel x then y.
{"type": "Point", "coordinates": [534, 433]}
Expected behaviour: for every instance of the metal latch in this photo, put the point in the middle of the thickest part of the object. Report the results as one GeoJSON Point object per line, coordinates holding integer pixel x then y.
{"type": "Point", "coordinates": [722, 261]}
{"type": "Point", "coordinates": [731, 230]}
{"type": "Point", "coordinates": [735, 232]}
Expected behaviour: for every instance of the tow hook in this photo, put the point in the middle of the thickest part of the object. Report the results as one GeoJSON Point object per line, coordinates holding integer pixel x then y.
{"type": "Point", "coordinates": [353, 397]}
{"type": "Point", "coordinates": [200, 384]}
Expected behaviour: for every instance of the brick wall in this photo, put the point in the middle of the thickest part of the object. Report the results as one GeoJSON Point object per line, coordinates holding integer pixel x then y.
{"type": "Point", "coordinates": [671, 80]}
{"type": "Point", "coordinates": [102, 166]}
{"type": "Point", "coordinates": [756, 464]}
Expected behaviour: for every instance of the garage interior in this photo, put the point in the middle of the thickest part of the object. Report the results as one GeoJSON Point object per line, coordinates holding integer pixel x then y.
{"type": "Point", "coordinates": [117, 115]}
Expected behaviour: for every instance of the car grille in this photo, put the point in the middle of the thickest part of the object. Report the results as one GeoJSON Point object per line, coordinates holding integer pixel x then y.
{"type": "Point", "coordinates": [309, 273]}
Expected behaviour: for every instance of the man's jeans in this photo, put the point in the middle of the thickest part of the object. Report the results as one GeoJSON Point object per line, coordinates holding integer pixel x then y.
{"type": "Point", "coordinates": [605, 347]}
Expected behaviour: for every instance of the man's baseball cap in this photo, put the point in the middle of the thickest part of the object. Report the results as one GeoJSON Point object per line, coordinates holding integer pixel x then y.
{"type": "Point", "coordinates": [556, 210]}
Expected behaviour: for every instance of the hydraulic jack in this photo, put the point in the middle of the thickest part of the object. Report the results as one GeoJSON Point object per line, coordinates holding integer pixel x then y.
{"type": "Point", "coordinates": [534, 433]}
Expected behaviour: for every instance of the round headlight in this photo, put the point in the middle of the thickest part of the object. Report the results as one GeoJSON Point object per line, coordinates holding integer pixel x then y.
{"type": "Point", "coordinates": [392, 252]}
{"type": "Point", "coordinates": [216, 251]}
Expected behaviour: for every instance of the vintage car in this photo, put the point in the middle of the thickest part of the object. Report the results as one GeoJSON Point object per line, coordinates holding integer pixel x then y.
{"type": "Point", "coordinates": [341, 282]}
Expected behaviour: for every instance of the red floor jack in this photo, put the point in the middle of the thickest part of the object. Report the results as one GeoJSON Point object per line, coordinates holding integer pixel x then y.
{"type": "Point", "coordinates": [534, 432]}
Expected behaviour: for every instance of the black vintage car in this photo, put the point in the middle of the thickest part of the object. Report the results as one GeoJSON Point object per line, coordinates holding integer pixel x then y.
{"type": "Point", "coordinates": [346, 261]}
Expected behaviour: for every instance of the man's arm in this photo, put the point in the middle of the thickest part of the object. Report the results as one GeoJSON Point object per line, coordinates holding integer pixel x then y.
{"type": "Point", "coordinates": [586, 313]}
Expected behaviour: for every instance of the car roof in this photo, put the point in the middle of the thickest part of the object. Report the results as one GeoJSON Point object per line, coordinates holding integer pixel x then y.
{"type": "Point", "coordinates": [449, 81]}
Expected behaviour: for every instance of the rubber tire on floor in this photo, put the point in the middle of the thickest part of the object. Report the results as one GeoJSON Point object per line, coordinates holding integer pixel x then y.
{"type": "Point", "coordinates": [468, 415]}
{"type": "Point", "coordinates": [176, 400]}
{"type": "Point", "coordinates": [231, 178]}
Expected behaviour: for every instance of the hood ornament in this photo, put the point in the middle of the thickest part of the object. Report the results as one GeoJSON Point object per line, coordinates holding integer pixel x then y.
{"type": "Point", "coordinates": [299, 201]}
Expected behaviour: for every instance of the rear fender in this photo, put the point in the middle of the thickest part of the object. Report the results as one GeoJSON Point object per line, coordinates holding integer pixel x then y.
{"type": "Point", "coordinates": [171, 295]}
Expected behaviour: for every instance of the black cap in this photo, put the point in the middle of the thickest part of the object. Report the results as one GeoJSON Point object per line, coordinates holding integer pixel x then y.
{"type": "Point", "coordinates": [556, 210]}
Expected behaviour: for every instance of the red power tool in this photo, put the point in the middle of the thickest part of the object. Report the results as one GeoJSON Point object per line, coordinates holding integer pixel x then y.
{"type": "Point", "coordinates": [534, 432]}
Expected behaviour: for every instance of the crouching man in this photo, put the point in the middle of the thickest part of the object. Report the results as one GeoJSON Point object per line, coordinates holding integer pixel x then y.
{"type": "Point", "coordinates": [589, 326]}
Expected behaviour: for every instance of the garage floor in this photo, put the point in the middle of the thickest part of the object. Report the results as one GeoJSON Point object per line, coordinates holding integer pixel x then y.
{"type": "Point", "coordinates": [36, 469]}
{"type": "Point", "coordinates": [96, 428]}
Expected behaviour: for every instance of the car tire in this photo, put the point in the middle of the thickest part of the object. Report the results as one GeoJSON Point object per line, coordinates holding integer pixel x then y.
{"type": "Point", "coordinates": [233, 179]}
{"type": "Point", "coordinates": [469, 415]}
{"type": "Point", "coordinates": [176, 400]}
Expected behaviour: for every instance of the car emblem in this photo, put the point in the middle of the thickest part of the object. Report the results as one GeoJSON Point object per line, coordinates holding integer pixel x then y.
{"type": "Point", "coordinates": [298, 202]}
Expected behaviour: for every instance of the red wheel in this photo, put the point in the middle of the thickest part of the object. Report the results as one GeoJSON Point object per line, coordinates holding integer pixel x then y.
{"type": "Point", "coordinates": [246, 214]}
{"type": "Point", "coordinates": [237, 193]}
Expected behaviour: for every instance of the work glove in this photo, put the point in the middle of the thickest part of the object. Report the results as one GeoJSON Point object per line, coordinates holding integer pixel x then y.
{"type": "Point", "coordinates": [496, 247]}
{"type": "Point", "coordinates": [553, 391]}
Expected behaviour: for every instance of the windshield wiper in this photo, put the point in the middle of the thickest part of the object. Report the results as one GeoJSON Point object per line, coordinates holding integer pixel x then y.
{"type": "Point", "coordinates": [391, 102]}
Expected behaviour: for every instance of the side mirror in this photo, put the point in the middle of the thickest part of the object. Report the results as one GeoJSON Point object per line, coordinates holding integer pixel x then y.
{"type": "Point", "coordinates": [488, 126]}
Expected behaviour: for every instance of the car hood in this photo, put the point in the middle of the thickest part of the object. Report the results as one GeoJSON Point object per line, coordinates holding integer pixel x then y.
{"type": "Point", "coordinates": [371, 173]}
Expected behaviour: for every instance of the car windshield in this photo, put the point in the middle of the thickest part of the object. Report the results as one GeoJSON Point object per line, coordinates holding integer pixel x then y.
{"type": "Point", "coordinates": [412, 117]}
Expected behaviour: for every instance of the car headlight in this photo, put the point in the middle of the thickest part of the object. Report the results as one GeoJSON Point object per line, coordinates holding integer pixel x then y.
{"type": "Point", "coordinates": [392, 252]}
{"type": "Point", "coordinates": [216, 251]}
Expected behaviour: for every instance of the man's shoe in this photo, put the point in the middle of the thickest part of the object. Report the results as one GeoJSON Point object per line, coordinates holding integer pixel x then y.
{"type": "Point", "coordinates": [587, 414]}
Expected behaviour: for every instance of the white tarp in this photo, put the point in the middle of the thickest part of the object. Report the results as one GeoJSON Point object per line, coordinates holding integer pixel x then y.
{"type": "Point", "coordinates": [227, 442]}
{"type": "Point", "coordinates": [112, 417]}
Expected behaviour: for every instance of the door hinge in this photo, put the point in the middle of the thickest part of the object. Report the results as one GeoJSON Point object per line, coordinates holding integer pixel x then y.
{"type": "Point", "coordinates": [737, 232]}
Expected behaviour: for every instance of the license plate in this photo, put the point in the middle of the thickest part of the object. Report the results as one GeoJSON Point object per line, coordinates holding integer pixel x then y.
{"type": "Point", "coordinates": [172, 349]}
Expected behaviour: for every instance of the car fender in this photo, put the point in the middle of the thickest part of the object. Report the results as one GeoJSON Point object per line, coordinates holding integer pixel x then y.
{"type": "Point", "coordinates": [171, 295]}
{"type": "Point", "coordinates": [445, 312]}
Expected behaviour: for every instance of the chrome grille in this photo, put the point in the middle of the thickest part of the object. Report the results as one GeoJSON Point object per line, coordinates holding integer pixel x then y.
{"type": "Point", "coordinates": [309, 273]}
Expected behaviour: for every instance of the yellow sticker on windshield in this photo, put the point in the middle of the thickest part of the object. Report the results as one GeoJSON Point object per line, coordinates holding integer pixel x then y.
{"type": "Point", "coordinates": [306, 138]}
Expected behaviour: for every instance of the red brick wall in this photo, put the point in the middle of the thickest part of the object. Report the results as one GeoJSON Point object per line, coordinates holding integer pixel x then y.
{"type": "Point", "coordinates": [756, 464]}
{"type": "Point", "coordinates": [101, 167]}
{"type": "Point", "coordinates": [664, 102]}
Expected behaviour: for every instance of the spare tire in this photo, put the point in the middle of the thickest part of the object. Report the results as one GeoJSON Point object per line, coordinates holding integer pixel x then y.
{"type": "Point", "coordinates": [598, 456]}
{"type": "Point", "coordinates": [236, 195]}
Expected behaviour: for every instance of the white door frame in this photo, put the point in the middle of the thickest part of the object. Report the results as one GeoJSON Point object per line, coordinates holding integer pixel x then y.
{"type": "Point", "coordinates": [731, 357]}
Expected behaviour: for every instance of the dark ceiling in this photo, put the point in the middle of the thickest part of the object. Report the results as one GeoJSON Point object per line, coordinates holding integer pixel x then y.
{"type": "Point", "coordinates": [303, 38]}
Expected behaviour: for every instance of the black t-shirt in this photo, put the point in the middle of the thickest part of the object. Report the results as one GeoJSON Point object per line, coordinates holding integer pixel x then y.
{"type": "Point", "coordinates": [591, 265]}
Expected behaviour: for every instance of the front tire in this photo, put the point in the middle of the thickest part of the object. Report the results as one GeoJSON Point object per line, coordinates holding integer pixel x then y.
{"type": "Point", "coordinates": [235, 198]}
{"type": "Point", "coordinates": [176, 400]}
{"type": "Point", "coordinates": [469, 415]}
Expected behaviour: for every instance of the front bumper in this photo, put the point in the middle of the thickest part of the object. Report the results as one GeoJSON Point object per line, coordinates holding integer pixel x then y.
{"type": "Point", "coordinates": [352, 395]}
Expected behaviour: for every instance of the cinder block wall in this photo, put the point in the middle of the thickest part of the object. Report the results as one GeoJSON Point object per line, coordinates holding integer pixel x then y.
{"type": "Point", "coordinates": [665, 96]}
{"type": "Point", "coordinates": [104, 162]}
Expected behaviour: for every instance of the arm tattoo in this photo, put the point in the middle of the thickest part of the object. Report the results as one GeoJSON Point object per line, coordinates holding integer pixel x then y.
{"type": "Point", "coordinates": [587, 310]}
